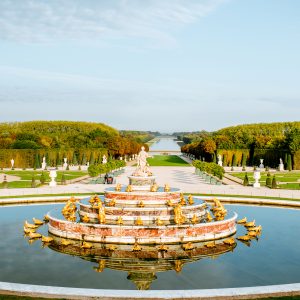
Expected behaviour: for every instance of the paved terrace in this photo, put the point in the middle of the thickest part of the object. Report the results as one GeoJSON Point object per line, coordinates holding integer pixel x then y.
{"type": "Point", "coordinates": [181, 177]}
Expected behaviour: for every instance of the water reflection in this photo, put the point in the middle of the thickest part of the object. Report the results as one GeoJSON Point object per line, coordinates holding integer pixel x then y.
{"type": "Point", "coordinates": [141, 266]}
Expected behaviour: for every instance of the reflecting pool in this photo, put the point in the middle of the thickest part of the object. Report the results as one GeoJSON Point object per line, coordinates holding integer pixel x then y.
{"type": "Point", "coordinates": [165, 143]}
{"type": "Point", "coordinates": [272, 259]}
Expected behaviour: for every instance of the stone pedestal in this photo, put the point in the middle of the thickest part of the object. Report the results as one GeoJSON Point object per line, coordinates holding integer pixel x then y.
{"type": "Point", "coordinates": [281, 167]}
{"type": "Point", "coordinates": [141, 183]}
{"type": "Point", "coordinates": [53, 175]}
{"type": "Point", "coordinates": [256, 178]}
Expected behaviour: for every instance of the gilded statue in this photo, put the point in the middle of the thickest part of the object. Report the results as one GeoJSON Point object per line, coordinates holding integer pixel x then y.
{"type": "Point", "coordinates": [179, 218]}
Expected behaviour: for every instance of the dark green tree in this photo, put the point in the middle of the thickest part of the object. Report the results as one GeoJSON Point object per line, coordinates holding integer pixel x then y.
{"type": "Point", "coordinates": [214, 158]}
{"type": "Point", "coordinates": [289, 162]}
{"type": "Point", "coordinates": [58, 159]}
{"type": "Point", "coordinates": [37, 162]}
{"type": "Point", "coordinates": [233, 160]}
{"type": "Point", "coordinates": [246, 180]}
{"type": "Point", "coordinates": [244, 159]}
{"type": "Point", "coordinates": [83, 159]}
{"type": "Point", "coordinates": [74, 159]}
{"type": "Point", "coordinates": [92, 158]}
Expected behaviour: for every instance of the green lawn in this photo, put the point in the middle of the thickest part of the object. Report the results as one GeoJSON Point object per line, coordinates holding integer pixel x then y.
{"type": "Point", "coordinates": [166, 160]}
{"type": "Point", "coordinates": [291, 178]}
{"type": "Point", "coordinates": [26, 176]}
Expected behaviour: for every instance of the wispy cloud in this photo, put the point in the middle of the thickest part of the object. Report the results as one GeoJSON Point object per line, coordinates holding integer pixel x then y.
{"type": "Point", "coordinates": [41, 21]}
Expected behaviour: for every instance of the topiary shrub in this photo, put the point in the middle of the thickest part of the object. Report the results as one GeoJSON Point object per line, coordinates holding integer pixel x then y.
{"type": "Point", "coordinates": [93, 170]}
{"type": "Point", "coordinates": [268, 180]}
{"type": "Point", "coordinates": [246, 180]}
{"type": "Point", "coordinates": [33, 182]}
{"type": "Point", "coordinates": [274, 183]}
{"type": "Point", "coordinates": [63, 179]}
{"type": "Point", "coordinates": [4, 183]}
{"type": "Point", "coordinates": [43, 178]}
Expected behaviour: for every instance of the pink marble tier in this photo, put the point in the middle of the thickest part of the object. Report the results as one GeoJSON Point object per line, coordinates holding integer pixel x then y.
{"type": "Point", "coordinates": [148, 215]}
{"type": "Point", "coordinates": [142, 196]}
{"type": "Point", "coordinates": [125, 234]}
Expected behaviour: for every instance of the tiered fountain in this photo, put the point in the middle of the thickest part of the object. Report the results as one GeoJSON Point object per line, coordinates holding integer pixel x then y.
{"type": "Point", "coordinates": [143, 214]}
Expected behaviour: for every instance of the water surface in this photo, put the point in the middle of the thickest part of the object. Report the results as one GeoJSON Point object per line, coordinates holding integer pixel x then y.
{"type": "Point", "coordinates": [273, 259]}
{"type": "Point", "coordinates": [165, 143]}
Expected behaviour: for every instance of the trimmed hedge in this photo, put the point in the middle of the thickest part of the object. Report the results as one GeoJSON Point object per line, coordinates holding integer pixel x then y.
{"type": "Point", "coordinates": [28, 158]}
{"type": "Point", "coordinates": [98, 169]}
{"type": "Point", "coordinates": [210, 168]}
{"type": "Point", "coordinates": [228, 155]}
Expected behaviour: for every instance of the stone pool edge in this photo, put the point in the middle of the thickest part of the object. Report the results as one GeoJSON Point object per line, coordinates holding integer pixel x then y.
{"type": "Point", "coordinates": [78, 293]}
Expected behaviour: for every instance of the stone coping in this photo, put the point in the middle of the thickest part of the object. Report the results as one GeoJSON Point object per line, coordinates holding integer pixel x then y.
{"type": "Point", "coordinates": [105, 294]}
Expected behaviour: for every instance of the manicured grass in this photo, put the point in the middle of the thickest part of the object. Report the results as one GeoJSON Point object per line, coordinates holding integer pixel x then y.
{"type": "Point", "coordinates": [166, 160]}
{"type": "Point", "coordinates": [26, 176]}
{"type": "Point", "coordinates": [290, 177]}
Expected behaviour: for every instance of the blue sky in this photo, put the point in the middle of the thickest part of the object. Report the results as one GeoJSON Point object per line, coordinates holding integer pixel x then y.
{"type": "Point", "coordinates": [171, 65]}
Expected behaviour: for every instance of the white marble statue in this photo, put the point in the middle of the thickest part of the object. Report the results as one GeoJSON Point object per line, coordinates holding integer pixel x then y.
{"type": "Point", "coordinates": [44, 164]}
{"type": "Point", "coordinates": [281, 165]}
{"type": "Point", "coordinates": [261, 166]}
{"type": "Point", "coordinates": [256, 176]}
{"type": "Point", "coordinates": [65, 163]}
{"type": "Point", "coordinates": [104, 159]}
{"type": "Point", "coordinates": [220, 163]}
{"type": "Point", "coordinates": [142, 165]}
{"type": "Point", "coordinates": [12, 162]}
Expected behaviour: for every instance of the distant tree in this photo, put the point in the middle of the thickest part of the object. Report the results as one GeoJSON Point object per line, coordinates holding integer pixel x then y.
{"type": "Point", "coordinates": [289, 162]}
{"type": "Point", "coordinates": [246, 180]}
{"type": "Point", "coordinates": [244, 159]}
{"type": "Point", "coordinates": [209, 146]}
{"type": "Point", "coordinates": [214, 158]}
{"type": "Point", "coordinates": [92, 158]}
{"type": "Point", "coordinates": [58, 160]}
{"type": "Point", "coordinates": [83, 160]}
{"type": "Point", "coordinates": [37, 163]}
{"type": "Point", "coordinates": [74, 159]}
{"type": "Point", "coordinates": [225, 160]}
{"type": "Point", "coordinates": [233, 160]}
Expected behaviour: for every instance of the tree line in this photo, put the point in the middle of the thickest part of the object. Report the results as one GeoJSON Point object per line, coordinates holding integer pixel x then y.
{"type": "Point", "coordinates": [28, 142]}
{"type": "Point", "coordinates": [249, 142]}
